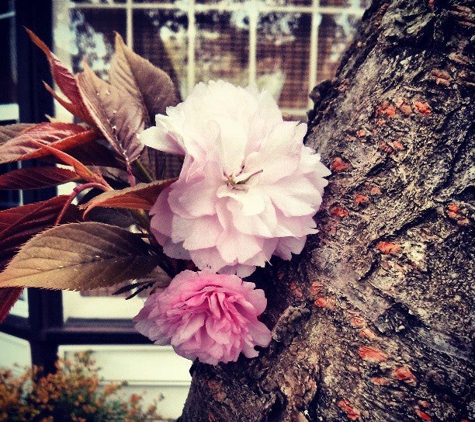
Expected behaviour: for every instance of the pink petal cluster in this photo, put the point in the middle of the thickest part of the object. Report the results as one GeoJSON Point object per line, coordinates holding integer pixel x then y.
{"type": "Point", "coordinates": [248, 188]}
{"type": "Point", "coordinates": [212, 317]}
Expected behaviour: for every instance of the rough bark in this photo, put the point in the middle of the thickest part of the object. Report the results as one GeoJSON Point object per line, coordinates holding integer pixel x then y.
{"type": "Point", "coordinates": [374, 321]}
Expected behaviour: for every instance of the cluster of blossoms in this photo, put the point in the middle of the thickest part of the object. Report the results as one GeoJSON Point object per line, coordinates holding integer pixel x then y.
{"type": "Point", "coordinates": [248, 189]}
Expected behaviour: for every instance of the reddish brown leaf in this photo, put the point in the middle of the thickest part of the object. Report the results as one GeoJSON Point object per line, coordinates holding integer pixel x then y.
{"type": "Point", "coordinates": [8, 298]}
{"type": "Point", "coordinates": [94, 153]}
{"type": "Point", "coordinates": [11, 131]}
{"type": "Point", "coordinates": [60, 135]}
{"type": "Point", "coordinates": [149, 85]}
{"type": "Point", "coordinates": [141, 196]}
{"type": "Point", "coordinates": [79, 256]}
{"type": "Point", "coordinates": [115, 112]}
{"type": "Point", "coordinates": [79, 167]}
{"type": "Point", "coordinates": [19, 224]}
{"type": "Point", "coordinates": [36, 178]}
{"type": "Point", "coordinates": [65, 80]}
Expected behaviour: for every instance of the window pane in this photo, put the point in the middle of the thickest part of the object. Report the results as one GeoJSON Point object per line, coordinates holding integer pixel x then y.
{"type": "Point", "coordinates": [283, 52]}
{"type": "Point", "coordinates": [357, 4]}
{"type": "Point", "coordinates": [8, 73]}
{"type": "Point", "coordinates": [93, 37]}
{"type": "Point", "coordinates": [335, 34]}
{"type": "Point", "coordinates": [222, 48]}
{"type": "Point", "coordinates": [163, 40]}
{"type": "Point", "coordinates": [294, 2]}
{"type": "Point", "coordinates": [98, 1]}
{"type": "Point", "coordinates": [156, 1]}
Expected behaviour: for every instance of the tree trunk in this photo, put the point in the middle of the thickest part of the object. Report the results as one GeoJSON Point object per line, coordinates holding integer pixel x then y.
{"type": "Point", "coordinates": [374, 320]}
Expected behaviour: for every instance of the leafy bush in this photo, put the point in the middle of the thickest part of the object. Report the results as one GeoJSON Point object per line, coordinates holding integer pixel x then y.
{"type": "Point", "coordinates": [73, 393]}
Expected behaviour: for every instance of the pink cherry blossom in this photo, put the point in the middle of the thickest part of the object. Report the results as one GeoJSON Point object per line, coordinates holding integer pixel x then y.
{"type": "Point", "coordinates": [248, 188]}
{"type": "Point", "coordinates": [212, 317]}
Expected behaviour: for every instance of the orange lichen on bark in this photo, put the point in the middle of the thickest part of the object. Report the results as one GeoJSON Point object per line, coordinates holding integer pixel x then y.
{"type": "Point", "coordinates": [453, 208]}
{"type": "Point", "coordinates": [422, 108]}
{"type": "Point", "coordinates": [321, 302]}
{"type": "Point", "coordinates": [352, 412]}
{"type": "Point", "coordinates": [399, 146]}
{"type": "Point", "coordinates": [361, 133]}
{"type": "Point", "coordinates": [357, 322]}
{"type": "Point", "coordinates": [339, 212]}
{"type": "Point", "coordinates": [297, 291]}
{"type": "Point", "coordinates": [388, 248]}
{"type": "Point", "coordinates": [375, 190]}
{"type": "Point", "coordinates": [403, 106]}
{"type": "Point", "coordinates": [385, 147]}
{"type": "Point", "coordinates": [325, 302]}
{"type": "Point", "coordinates": [440, 77]}
{"type": "Point", "coordinates": [380, 380]}
{"type": "Point", "coordinates": [453, 212]}
{"type": "Point", "coordinates": [368, 333]}
{"type": "Point", "coordinates": [372, 354]}
{"type": "Point", "coordinates": [386, 109]}
{"type": "Point", "coordinates": [339, 165]}
{"type": "Point", "coordinates": [361, 199]}
{"type": "Point", "coordinates": [316, 288]}
{"type": "Point", "coordinates": [403, 373]}
{"type": "Point", "coordinates": [423, 415]}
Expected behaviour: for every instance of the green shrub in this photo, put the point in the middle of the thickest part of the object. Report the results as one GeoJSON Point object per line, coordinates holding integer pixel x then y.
{"type": "Point", "coordinates": [73, 393]}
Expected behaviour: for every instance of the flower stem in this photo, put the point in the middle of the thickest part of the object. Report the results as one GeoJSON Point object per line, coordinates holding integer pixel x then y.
{"type": "Point", "coordinates": [142, 171]}
{"type": "Point", "coordinates": [76, 191]}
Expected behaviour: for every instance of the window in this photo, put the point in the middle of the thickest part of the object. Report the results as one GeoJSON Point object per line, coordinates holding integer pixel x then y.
{"type": "Point", "coordinates": [8, 72]}
{"type": "Point", "coordinates": [285, 46]}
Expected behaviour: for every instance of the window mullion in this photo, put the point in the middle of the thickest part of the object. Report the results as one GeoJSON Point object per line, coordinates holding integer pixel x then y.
{"type": "Point", "coordinates": [312, 74]}
{"type": "Point", "coordinates": [253, 22]}
{"type": "Point", "coordinates": [191, 46]}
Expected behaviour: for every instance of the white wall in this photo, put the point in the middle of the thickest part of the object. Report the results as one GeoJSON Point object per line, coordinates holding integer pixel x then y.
{"type": "Point", "coordinates": [14, 354]}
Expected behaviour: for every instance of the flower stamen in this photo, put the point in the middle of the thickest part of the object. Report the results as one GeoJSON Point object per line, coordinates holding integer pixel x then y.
{"type": "Point", "coordinates": [241, 182]}
{"type": "Point", "coordinates": [239, 185]}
